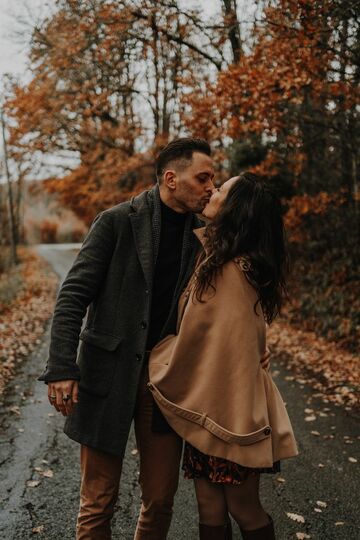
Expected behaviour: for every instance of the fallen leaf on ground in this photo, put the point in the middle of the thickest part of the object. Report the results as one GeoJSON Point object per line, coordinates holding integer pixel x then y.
{"type": "Point", "coordinates": [302, 536]}
{"type": "Point", "coordinates": [48, 474]}
{"type": "Point", "coordinates": [33, 483]}
{"type": "Point", "coordinates": [352, 460]}
{"type": "Point", "coordinates": [37, 530]}
{"type": "Point", "coordinates": [322, 504]}
{"type": "Point", "coordinates": [295, 517]}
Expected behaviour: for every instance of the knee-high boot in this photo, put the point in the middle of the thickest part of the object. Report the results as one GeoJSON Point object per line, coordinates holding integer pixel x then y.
{"type": "Point", "coordinates": [266, 532]}
{"type": "Point", "coordinates": [211, 532]}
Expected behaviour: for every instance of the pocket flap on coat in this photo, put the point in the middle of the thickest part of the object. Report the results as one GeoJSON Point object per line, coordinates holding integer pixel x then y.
{"type": "Point", "coordinates": [104, 341]}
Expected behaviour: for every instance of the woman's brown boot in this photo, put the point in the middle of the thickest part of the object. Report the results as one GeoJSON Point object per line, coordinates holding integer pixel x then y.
{"type": "Point", "coordinates": [263, 533]}
{"type": "Point", "coordinates": [210, 532]}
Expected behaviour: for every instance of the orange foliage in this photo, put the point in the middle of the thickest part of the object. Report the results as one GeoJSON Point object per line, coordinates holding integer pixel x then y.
{"type": "Point", "coordinates": [75, 108]}
{"type": "Point", "coordinates": [48, 232]}
{"type": "Point", "coordinates": [302, 205]}
{"type": "Point", "coordinates": [275, 89]}
{"type": "Point", "coordinates": [105, 80]}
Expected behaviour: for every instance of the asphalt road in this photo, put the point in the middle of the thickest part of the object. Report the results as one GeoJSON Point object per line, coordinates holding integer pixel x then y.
{"type": "Point", "coordinates": [39, 472]}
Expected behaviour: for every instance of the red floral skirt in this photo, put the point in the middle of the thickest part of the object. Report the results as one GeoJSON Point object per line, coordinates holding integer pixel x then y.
{"type": "Point", "coordinates": [199, 465]}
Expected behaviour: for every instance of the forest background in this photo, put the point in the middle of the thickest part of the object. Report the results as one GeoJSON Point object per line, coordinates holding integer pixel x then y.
{"type": "Point", "coordinates": [272, 85]}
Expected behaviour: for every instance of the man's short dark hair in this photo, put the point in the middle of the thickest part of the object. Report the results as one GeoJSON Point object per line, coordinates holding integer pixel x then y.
{"type": "Point", "coordinates": [181, 151]}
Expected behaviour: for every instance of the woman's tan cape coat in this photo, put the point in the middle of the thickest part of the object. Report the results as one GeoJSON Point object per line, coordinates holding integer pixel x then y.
{"type": "Point", "coordinates": [208, 381]}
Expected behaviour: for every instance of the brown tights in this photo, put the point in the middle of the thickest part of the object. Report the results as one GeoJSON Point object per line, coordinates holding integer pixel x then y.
{"type": "Point", "coordinates": [242, 502]}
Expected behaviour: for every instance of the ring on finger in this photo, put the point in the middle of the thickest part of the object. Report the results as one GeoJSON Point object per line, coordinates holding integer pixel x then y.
{"type": "Point", "coordinates": [52, 397]}
{"type": "Point", "coordinates": [66, 397]}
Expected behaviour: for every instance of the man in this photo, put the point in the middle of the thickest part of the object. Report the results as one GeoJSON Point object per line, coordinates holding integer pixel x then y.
{"type": "Point", "coordinates": [130, 272]}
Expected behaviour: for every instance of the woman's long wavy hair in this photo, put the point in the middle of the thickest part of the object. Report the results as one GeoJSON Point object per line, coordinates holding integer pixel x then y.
{"type": "Point", "coordinates": [249, 224]}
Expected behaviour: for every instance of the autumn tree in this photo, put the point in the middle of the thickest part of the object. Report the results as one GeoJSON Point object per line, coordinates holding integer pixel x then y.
{"type": "Point", "coordinates": [108, 78]}
{"type": "Point", "coordinates": [13, 170]}
{"type": "Point", "coordinates": [297, 89]}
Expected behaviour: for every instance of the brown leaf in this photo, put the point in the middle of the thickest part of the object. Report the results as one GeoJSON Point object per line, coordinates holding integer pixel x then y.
{"type": "Point", "coordinates": [33, 483]}
{"type": "Point", "coordinates": [37, 530]}
{"type": "Point", "coordinates": [48, 473]}
{"type": "Point", "coordinates": [295, 517]}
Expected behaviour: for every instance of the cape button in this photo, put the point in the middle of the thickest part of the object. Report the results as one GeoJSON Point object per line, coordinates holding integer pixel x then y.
{"type": "Point", "coordinates": [267, 431]}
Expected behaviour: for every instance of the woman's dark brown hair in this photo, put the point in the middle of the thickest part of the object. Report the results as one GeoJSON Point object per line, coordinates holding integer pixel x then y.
{"type": "Point", "coordinates": [249, 224]}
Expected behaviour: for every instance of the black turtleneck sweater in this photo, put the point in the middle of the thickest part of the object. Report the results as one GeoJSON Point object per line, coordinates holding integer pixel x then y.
{"type": "Point", "coordinates": [166, 272]}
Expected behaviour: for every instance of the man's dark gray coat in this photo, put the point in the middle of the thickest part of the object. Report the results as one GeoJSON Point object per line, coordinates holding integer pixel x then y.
{"type": "Point", "coordinates": [112, 278]}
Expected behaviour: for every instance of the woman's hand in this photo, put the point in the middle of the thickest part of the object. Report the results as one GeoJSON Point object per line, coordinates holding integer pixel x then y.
{"type": "Point", "coordinates": [265, 360]}
{"type": "Point", "coordinates": [63, 395]}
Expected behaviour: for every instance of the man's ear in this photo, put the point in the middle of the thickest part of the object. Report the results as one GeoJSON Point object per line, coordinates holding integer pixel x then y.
{"type": "Point", "coordinates": [170, 179]}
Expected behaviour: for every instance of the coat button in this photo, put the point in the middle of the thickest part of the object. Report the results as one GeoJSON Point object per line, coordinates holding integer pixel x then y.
{"type": "Point", "coordinates": [138, 357]}
{"type": "Point", "coordinates": [267, 431]}
{"type": "Point", "coordinates": [143, 324]}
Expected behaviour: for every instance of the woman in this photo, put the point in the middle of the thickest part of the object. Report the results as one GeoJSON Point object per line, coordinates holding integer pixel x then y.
{"type": "Point", "coordinates": [207, 379]}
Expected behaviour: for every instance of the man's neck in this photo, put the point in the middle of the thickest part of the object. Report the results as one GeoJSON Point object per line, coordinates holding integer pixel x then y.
{"type": "Point", "coordinates": [169, 201]}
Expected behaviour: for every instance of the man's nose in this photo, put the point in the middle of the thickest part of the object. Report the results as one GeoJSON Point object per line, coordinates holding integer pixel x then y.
{"type": "Point", "coordinates": [210, 187]}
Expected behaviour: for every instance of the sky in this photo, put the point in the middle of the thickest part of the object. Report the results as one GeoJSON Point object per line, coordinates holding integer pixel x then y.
{"type": "Point", "coordinates": [16, 19]}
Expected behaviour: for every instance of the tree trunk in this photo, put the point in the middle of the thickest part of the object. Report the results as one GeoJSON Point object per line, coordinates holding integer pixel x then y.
{"type": "Point", "coordinates": [234, 30]}
{"type": "Point", "coordinates": [13, 234]}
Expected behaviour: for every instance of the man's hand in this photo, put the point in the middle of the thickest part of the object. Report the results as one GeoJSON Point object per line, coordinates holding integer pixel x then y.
{"type": "Point", "coordinates": [265, 360]}
{"type": "Point", "coordinates": [63, 395]}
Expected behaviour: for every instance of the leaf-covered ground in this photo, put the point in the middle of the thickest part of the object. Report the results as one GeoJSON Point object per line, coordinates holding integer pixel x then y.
{"type": "Point", "coordinates": [26, 303]}
{"type": "Point", "coordinates": [329, 369]}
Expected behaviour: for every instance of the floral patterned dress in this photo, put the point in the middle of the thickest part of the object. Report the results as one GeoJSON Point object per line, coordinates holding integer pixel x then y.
{"type": "Point", "coordinates": [199, 465]}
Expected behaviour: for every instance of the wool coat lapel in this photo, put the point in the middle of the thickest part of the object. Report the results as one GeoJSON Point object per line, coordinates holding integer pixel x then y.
{"type": "Point", "coordinates": [141, 219]}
